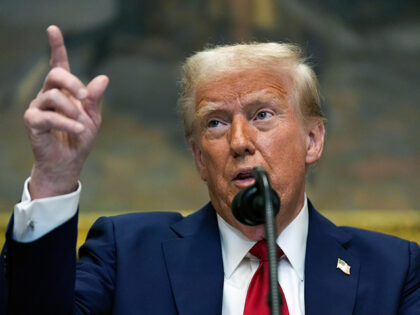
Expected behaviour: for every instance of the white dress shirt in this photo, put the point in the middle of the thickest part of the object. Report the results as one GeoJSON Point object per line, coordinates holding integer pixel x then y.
{"type": "Point", "coordinates": [239, 265]}
{"type": "Point", "coordinates": [35, 218]}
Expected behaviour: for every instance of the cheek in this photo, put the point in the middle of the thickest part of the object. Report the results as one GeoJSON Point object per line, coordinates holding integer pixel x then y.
{"type": "Point", "coordinates": [213, 157]}
{"type": "Point", "coordinates": [284, 153]}
{"type": "Point", "coordinates": [216, 162]}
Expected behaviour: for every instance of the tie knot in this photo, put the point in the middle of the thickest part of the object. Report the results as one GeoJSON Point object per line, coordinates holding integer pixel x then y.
{"type": "Point", "coordinates": [259, 250]}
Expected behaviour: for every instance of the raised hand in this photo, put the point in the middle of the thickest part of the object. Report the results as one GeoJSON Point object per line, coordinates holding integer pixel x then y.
{"type": "Point", "coordinates": [62, 123]}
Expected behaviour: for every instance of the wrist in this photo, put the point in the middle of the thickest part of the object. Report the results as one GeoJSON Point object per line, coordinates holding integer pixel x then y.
{"type": "Point", "coordinates": [44, 184]}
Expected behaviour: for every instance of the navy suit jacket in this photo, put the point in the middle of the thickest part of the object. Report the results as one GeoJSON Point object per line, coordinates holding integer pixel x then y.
{"type": "Point", "coordinates": [162, 263]}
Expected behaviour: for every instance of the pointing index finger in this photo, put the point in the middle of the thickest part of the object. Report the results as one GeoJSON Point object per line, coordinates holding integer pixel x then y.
{"type": "Point", "coordinates": [58, 49]}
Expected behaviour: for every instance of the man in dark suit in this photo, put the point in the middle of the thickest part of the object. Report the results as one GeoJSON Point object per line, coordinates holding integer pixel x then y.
{"type": "Point", "coordinates": [242, 105]}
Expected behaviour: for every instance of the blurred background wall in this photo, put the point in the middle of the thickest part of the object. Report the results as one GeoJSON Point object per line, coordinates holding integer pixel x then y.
{"type": "Point", "coordinates": [366, 54]}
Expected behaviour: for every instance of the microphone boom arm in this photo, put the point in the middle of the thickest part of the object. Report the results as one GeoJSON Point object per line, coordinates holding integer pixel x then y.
{"type": "Point", "coordinates": [259, 204]}
{"type": "Point", "coordinates": [263, 185]}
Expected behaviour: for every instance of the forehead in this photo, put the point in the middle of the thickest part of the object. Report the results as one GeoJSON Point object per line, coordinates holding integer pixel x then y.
{"type": "Point", "coordinates": [234, 85]}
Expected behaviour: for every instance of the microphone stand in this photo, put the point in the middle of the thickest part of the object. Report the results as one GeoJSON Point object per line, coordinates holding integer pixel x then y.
{"type": "Point", "coordinates": [263, 185]}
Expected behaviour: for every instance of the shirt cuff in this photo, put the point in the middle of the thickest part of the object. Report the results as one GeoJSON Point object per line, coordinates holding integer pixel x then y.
{"type": "Point", "coordinates": [35, 218]}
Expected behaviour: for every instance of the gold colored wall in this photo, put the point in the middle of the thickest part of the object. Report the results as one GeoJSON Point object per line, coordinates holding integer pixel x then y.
{"type": "Point", "coordinates": [404, 224]}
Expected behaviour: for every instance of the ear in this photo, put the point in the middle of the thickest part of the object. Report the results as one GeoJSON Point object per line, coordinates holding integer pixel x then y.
{"type": "Point", "coordinates": [315, 135]}
{"type": "Point", "coordinates": [196, 152]}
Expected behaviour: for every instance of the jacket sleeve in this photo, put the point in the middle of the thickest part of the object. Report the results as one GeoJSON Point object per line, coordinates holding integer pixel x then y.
{"type": "Point", "coordinates": [42, 277]}
{"type": "Point", "coordinates": [95, 272]}
{"type": "Point", "coordinates": [410, 299]}
{"type": "Point", "coordinates": [38, 277]}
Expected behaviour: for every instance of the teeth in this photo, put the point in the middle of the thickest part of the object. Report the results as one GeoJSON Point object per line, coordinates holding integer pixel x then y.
{"type": "Point", "coordinates": [244, 176]}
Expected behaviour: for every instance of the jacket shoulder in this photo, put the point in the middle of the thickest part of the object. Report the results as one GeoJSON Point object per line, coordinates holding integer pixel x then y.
{"type": "Point", "coordinates": [153, 224]}
{"type": "Point", "coordinates": [375, 240]}
{"type": "Point", "coordinates": [147, 218]}
{"type": "Point", "coordinates": [384, 249]}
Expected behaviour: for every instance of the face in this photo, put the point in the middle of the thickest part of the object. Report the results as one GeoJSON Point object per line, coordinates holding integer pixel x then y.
{"type": "Point", "coordinates": [245, 119]}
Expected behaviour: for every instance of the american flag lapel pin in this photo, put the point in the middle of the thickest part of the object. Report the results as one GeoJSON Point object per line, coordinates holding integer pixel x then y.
{"type": "Point", "coordinates": [343, 266]}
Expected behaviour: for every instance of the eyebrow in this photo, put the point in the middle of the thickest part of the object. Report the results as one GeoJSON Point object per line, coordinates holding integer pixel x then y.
{"type": "Point", "coordinates": [208, 108]}
{"type": "Point", "coordinates": [255, 98]}
{"type": "Point", "coordinates": [262, 97]}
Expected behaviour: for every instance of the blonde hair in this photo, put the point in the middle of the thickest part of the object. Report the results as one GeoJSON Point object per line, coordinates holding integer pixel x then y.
{"type": "Point", "coordinates": [286, 59]}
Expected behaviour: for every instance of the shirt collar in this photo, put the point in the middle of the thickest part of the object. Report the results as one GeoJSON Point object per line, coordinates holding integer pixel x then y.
{"type": "Point", "coordinates": [234, 246]}
{"type": "Point", "coordinates": [292, 241]}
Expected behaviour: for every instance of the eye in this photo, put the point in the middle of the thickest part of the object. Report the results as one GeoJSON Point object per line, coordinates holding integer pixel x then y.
{"type": "Point", "coordinates": [263, 115]}
{"type": "Point", "coordinates": [213, 123]}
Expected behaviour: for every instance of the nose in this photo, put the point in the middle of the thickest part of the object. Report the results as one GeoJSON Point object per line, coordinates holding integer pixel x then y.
{"type": "Point", "coordinates": [241, 136]}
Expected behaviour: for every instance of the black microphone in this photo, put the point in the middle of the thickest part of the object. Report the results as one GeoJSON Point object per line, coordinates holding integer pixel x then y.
{"type": "Point", "coordinates": [248, 206]}
{"type": "Point", "coordinates": [259, 204]}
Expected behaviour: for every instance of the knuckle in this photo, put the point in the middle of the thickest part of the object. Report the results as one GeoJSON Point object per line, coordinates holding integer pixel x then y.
{"type": "Point", "coordinates": [56, 71]}
{"type": "Point", "coordinates": [76, 85]}
{"type": "Point", "coordinates": [54, 75]}
{"type": "Point", "coordinates": [59, 77]}
{"type": "Point", "coordinates": [47, 119]}
{"type": "Point", "coordinates": [29, 117]}
{"type": "Point", "coordinates": [53, 94]}
{"type": "Point", "coordinates": [45, 100]}
{"type": "Point", "coordinates": [34, 102]}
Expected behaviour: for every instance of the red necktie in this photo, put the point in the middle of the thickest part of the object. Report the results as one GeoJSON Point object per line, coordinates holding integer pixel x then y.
{"type": "Point", "coordinates": [256, 298]}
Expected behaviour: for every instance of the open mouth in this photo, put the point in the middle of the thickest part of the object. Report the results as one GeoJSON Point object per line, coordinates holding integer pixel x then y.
{"type": "Point", "coordinates": [244, 178]}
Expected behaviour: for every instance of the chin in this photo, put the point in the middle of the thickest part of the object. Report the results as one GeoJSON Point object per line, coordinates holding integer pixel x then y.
{"type": "Point", "coordinates": [254, 233]}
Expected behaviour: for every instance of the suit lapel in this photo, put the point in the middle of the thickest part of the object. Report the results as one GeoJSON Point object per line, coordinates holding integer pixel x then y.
{"type": "Point", "coordinates": [195, 265]}
{"type": "Point", "coordinates": [328, 290]}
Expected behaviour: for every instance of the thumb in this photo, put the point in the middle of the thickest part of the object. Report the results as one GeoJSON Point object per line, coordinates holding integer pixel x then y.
{"type": "Point", "coordinates": [96, 89]}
